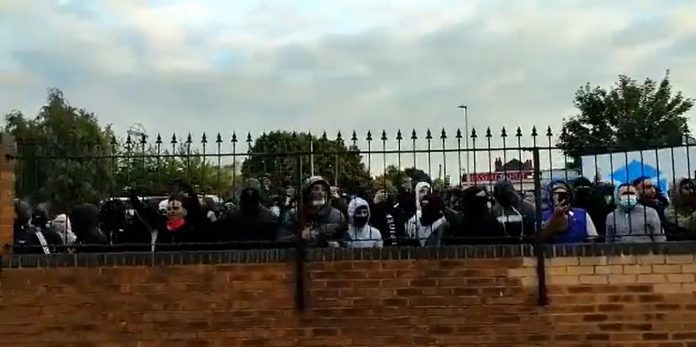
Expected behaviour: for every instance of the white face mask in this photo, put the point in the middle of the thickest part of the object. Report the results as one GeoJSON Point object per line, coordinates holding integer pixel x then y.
{"type": "Point", "coordinates": [318, 196]}
{"type": "Point", "coordinates": [319, 202]}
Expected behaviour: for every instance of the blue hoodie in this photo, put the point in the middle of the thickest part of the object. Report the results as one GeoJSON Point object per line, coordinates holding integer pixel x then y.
{"type": "Point", "coordinates": [580, 226]}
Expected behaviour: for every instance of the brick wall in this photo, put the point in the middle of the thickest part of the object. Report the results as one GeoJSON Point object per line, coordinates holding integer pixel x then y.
{"type": "Point", "coordinates": [389, 298]}
{"type": "Point", "coordinates": [6, 189]}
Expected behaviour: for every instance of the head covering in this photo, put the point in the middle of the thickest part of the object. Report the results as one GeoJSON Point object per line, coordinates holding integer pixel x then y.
{"type": "Point", "coordinates": [505, 194]}
{"type": "Point", "coordinates": [162, 206]}
{"type": "Point", "coordinates": [312, 181]}
{"type": "Point", "coordinates": [354, 205]}
{"type": "Point", "coordinates": [419, 197]}
{"type": "Point", "coordinates": [547, 196]}
{"type": "Point", "coordinates": [582, 182]}
{"type": "Point", "coordinates": [678, 199]}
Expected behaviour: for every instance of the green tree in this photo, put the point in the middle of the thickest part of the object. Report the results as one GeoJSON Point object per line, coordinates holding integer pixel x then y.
{"type": "Point", "coordinates": [151, 169]}
{"type": "Point", "coordinates": [393, 178]}
{"type": "Point", "coordinates": [278, 153]}
{"type": "Point", "coordinates": [628, 116]}
{"type": "Point", "coordinates": [66, 157]}
{"type": "Point", "coordinates": [61, 154]}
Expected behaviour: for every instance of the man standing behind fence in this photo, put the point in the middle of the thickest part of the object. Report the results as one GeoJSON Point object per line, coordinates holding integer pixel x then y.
{"type": "Point", "coordinates": [323, 224]}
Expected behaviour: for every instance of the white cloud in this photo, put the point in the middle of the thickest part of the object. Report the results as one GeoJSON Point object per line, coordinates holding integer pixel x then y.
{"type": "Point", "coordinates": [216, 65]}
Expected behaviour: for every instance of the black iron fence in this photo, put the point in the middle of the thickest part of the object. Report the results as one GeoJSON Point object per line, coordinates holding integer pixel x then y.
{"type": "Point", "coordinates": [57, 178]}
{"type": "Point", "coordinates": [65, 175]}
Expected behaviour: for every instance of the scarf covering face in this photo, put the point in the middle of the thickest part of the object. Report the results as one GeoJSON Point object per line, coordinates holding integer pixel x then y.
{"type": "Point", "coordinates": [175, 215]}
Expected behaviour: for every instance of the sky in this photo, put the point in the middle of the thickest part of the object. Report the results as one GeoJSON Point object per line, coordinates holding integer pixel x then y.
{"type": "Point", "coordinates": [253, 66]}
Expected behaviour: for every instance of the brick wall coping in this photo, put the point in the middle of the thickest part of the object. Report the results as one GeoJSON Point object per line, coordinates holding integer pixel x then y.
{"type": "Point", "coordinates": [320, 255]}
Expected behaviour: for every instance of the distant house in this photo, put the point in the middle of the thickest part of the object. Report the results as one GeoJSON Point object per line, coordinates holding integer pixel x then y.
{"type": "Point", "coordinates": [513, 165]}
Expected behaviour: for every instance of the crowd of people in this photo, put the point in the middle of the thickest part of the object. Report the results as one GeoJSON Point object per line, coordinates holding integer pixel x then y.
{"type": "Point", "coordinates": [319, 215]}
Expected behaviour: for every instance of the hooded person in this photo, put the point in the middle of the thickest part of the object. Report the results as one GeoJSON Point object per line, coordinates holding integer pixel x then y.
{"type": "Point", "coordinates": [337, 200]}
{"type": "Point", "coordinates": [515, 215]}
{"type": "Point", "coordinates": [680, 217]}
{"type": "Point", "coordinates": [360, 233]}
{"type": "Point", "coordinates": [63, 226]}
{"type": "Point", "coordinates": [589, 199]}
{"type": "Point", "coordinates": [251, 224]}
{"type": "Point", "coordinates": [632, 222]}
{"type": "Point", "coordinates": [476, 224]}
{"type": "Point", "coordinates": [323, 224]}
{"type": "Point", "coordinates": [28, 238]}
{"type": "Point", "coordinates": [561, 223]}
{"type": "Point", "coordinates": [428, 226]}
{"type": "Point", "coordinates": [85, 224]}
{"type": "Point", "coordinates": [422, 189]}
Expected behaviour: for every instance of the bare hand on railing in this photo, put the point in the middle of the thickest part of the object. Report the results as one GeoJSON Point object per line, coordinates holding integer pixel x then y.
{"type": "Point", "coordinates": [307, 234]}
{"type": "Point", "coordinates": [380, 197]}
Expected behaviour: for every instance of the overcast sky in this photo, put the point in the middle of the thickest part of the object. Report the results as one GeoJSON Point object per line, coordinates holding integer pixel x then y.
{"type": "Point", "coordinates": [219, 65]}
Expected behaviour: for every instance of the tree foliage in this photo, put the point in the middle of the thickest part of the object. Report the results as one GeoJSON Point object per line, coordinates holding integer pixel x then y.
{"type": "Point", "coordinates": [393, 178]}
{"type": "Point", "coordinates": [278, 154]}
{"type": "Point", "coordinates": [60, 151]}
{"type": "Point", "coordinates": [66, 157]}
{"type": "Point", "coordinates": [628, 116]}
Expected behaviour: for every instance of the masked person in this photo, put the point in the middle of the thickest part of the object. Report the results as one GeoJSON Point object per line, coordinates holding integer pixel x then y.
{"type": "Point", "coordinates": [360, 233]}
{"type": "Point", "coordinates": [680, 217]}
{"type": "Point", "coordinates": [632, 222]}
{"type": "Point", "coordinates": [337, 201]}
{"type": "Point", "coordinates": [587, 197]}
{"type": "Point", "coordinates": [561, 223]}
{"type": "Point", "coordinates": [29, 238]}
{"type": "Point", "coordinates": [251, 225]}
{"type": "Point", "coordinates": [85, 224]}
{"type": "Point", "coordinates": [323, 224]}
{"type": "Point", "coordinates": [387, 216]}
{"type": "Point", "coordinates": [63, 226]}
{"type": "Point", "coordinates": [515, 215]}
{"type": "Point", "coordinates": [182, 225]}
{"type": "Point", "coordinates": [476, 223]}
{"type": "Point", "coordinates": [428, 225]}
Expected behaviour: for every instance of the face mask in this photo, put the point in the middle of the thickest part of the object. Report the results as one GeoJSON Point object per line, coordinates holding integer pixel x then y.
{"type": "Point", "coordinates": [359, 221]}
{"type": "Point", "coordinates": [319, 202]}
{"type": "Point", "coordinates": [628, 201]}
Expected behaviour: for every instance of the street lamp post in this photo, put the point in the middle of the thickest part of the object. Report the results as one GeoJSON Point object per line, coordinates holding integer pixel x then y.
{"type": "Point", "coordinates": [466, 138]}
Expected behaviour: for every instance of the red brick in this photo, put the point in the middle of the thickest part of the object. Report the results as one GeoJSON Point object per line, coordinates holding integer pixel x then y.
{"type": "Point", "coordinates": [359, 303]}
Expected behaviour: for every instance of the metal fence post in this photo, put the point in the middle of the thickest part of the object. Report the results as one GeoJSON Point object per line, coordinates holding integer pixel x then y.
{"type": "Point", "coordinates": [300, 251]}
{"type": "Point", "coordinates": [542, 297]}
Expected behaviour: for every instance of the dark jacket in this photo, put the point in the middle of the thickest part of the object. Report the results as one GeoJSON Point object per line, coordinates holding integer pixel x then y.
{"type": "Point", "coordinates": [195, 232]}
{"type": "Point", "coordinates": [476, 224]}
{"type": "Point", "coordinates": [326, 223]}
{"type": "Point", "coordinates": [517, 216]}
{"type": "Point", "coordinates": [85, 225]}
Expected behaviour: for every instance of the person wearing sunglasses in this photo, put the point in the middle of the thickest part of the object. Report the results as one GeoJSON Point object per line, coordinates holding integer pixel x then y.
{"type": "Point", "coordinates": [680, 217]}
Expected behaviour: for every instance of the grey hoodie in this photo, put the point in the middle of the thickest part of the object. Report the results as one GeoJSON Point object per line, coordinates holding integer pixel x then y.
{"type": "Point", "coordinates": [641, 224]}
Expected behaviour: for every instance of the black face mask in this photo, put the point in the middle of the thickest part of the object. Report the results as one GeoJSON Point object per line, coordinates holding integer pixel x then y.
{"type": "Point", "coordinates": [250, 198]}
{"type": "Point", "coordinates": [583, 196]}
{"type": "Point", "coordinates": [359, 221]}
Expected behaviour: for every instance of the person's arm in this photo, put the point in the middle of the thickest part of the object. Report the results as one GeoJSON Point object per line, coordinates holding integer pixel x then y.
{"type": "Point", "coordinates": [377, 236]}
{"type": "Point", "coordinates": [288, 227]}
{"type": "Point", "coordinates": [610, 230]}
{"type": "Point", "coordinates": [555, 224]}
{"type": "Point", "coordinates": [333, 229]}
{"type": "Point", "coordinates": [656, 226]}
{"type": "Point", "coordinates": [590, 228]}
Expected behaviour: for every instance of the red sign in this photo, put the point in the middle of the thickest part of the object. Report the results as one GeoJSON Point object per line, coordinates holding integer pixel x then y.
{"type": "Point", "coordinates": [515, 176]}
